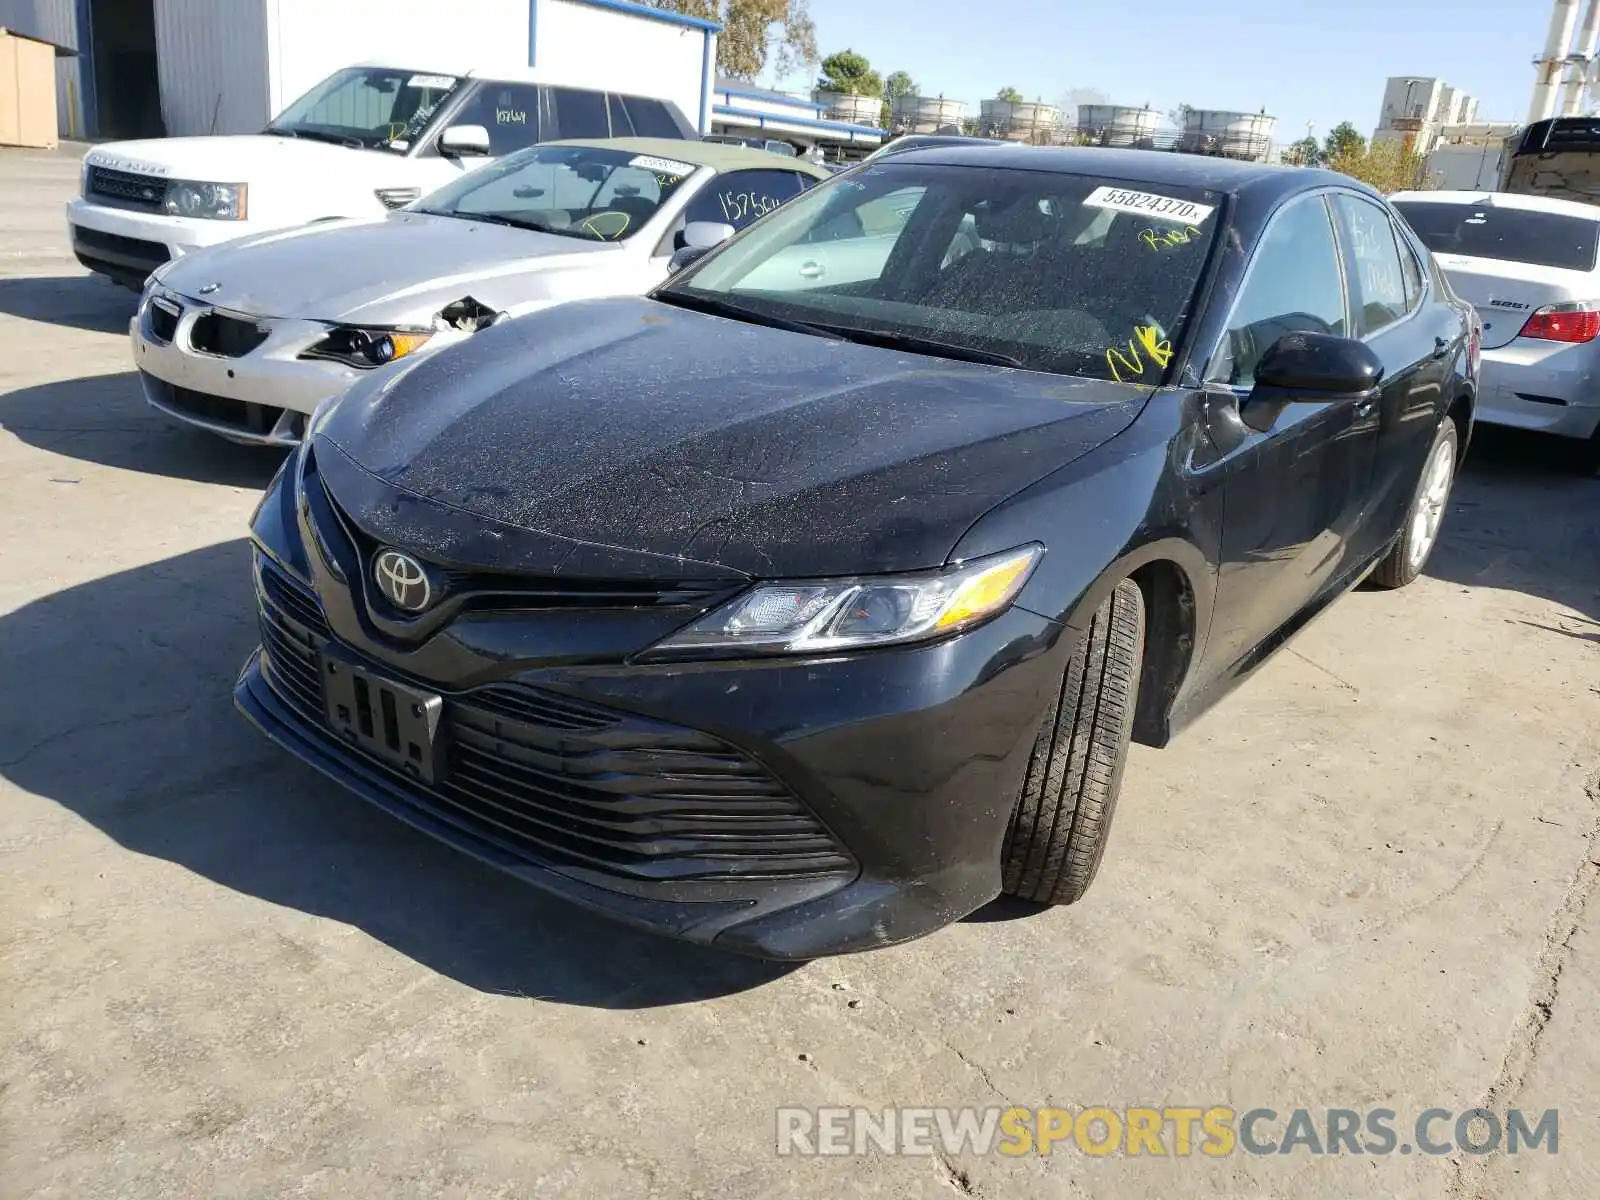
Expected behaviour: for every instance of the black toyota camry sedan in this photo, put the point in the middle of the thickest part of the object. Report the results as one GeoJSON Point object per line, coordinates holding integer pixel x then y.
{"type": "Point", "coordinates": [812, 602]}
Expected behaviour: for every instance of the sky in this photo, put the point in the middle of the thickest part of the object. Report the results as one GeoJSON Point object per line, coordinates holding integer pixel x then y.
{"type": "Point", "coordinates": [1322, 63]}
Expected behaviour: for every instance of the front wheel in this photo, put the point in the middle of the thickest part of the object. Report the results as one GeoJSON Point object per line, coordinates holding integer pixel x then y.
{"type": "Point", "coordinates": [1405, 560]}
{"type": "Point", "coordinates": [1059, 826]}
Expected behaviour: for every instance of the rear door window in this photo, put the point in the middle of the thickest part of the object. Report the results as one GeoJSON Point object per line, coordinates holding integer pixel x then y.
{"type": "Point", "coordinates": [740, 198]}
{"type": "Point", "coordinates": [621, 123]}
{"type": "Point", "coordinates": [1411, 269]}
{"type": "Point", "coordinates": [1378, 282]}
{"type": "Point", "coordinates": [580, 113]}
{"type": "Point", "coordinates": [1542, 239]}
{"type": "Point", "coordinates": [509, 111]}
{"type": "Point", "coordinates": [650, 117]}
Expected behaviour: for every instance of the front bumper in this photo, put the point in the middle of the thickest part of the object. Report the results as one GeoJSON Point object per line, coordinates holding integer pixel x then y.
{"type": "Point", "coordinates": [888, 777]}
{"type": "Point", "coordinates": [258, 394]}
{"type": "Point", "coordinates": [1550, 387]}
{"type": "Point", "coordinates": [128, 244]}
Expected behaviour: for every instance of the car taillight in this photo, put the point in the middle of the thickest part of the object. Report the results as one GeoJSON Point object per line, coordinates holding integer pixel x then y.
{"type": "Point", "coordinates": [1564, 323]}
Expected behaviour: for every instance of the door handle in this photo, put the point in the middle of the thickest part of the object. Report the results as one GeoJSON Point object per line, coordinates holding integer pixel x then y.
{"type": "Point", "coordinates": [811, 270]}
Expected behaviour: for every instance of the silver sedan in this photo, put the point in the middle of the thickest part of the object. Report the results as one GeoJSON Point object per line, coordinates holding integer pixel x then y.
{"type": "Point", "coordinates": [247, 338]}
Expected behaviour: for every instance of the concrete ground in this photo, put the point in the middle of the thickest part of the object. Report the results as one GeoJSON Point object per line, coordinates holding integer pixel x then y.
{"type": "Point", "coordinates": [1367, 880]}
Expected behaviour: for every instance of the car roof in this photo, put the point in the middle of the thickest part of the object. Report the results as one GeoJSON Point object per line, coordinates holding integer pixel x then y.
{"type": "Point", "coordinates": [929, 141]}
{"type": "Point", "coordinates": [1158, 167]}
{"type": "Point", "coordinates": [1549, 204]}
{"type": "Point", "coordinates": [719, 156]}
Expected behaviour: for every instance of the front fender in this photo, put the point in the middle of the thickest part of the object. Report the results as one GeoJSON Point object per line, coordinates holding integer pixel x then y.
{"type": "Point", "coordinates": [1127, 505]}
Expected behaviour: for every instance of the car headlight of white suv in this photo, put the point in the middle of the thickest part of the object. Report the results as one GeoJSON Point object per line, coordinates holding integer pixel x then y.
{"type": "Point", "coordinates": [210, 201]}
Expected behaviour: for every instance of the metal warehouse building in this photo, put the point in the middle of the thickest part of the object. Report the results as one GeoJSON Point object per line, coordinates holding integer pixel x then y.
{"type": "Point", "coordinates": [148, 68]}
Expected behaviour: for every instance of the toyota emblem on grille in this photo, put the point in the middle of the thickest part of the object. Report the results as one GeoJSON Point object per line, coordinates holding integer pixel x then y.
{"type": "Point", "coordinates": [402, 580]}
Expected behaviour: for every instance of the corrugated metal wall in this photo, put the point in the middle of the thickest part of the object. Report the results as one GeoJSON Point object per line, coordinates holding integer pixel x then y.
{"type": "Point", "coordinates": [213, 61]}
{"type": "Point", "coordinates": [54, 21]}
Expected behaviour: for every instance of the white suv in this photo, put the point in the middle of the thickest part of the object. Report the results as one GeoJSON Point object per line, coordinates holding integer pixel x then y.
{"type": "Point", "coordinates": [366, 139]}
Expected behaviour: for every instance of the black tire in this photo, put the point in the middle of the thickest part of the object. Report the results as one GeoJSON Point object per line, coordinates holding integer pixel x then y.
{"type": "Point", "coordinates": [1058, 829]}
{"type": "Point", "coordinates": [1401, 565]}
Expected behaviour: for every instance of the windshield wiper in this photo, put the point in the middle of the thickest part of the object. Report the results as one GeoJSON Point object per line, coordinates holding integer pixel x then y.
{"type": "Point", "coordinates": [921, 345]}
{"type": "Point", "coordinates": [516, 223]}
{"type": "Point", "coordinates": [337, 139]}
{"type": "Point", "coordinates": [722, 308]}
{"type": "Point", "coordinates": [281, 131]}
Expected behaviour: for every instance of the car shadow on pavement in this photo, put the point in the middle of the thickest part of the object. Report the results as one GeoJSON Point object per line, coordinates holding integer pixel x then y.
{"type": "Point", "coordinates": [104, 419]}
{"type": "Point", "coordinates": [78, 301]}
{"type": "Point", "coordinates": [1522, 519]}
{"type": "Point", "coordinates": [128, 722]}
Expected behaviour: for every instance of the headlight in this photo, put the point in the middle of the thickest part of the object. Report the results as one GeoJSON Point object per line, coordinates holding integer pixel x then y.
{"type": "Point", "coordinates": [815, 616]}
{"type": "Point", "coordinates": [213, 201]}
{"type": "Point", "coordinates": [368, 348]}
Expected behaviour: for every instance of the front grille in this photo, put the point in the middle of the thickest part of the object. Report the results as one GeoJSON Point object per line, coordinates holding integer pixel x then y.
{"type": "Point", "coordinates": [227, 337]}
{"type": "Point", "coordinates": [563, 782]}
{"type": "Point", "coordinates": [224, 410]}
{"type": "Point", "coordinates": [161, 321]}
{"type": "Point", "coordinates": [130, 190]}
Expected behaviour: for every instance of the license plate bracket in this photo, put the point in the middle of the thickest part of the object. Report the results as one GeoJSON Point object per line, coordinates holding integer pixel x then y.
{"type": "Point", "coordinates": [394, 722]}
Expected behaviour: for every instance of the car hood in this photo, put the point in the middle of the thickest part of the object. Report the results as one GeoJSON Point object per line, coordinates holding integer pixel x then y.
{"type": "Point", "coordinates": [392, 270]}
{"type": "Point", "coordinates": [629, 438]}
{"type": "Point", "coordinates": [240, 158]}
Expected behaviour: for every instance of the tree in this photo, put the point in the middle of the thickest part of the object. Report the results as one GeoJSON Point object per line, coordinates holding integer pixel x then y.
{"type": "Point", "coordinates": [1343, 141]}
{"type": "Point", "coordinates": [1304, 153]}
{"type": "Point", "coordinates": [1390, 165]}
{"type": "Point", "coordinates": [1009, 94]}
{"type": "Point", "coordinates": [851, 74]}
{"type": "Point", "coordinates": [898, 83]}
{"type": "Point", "coordinates": [755, 32]}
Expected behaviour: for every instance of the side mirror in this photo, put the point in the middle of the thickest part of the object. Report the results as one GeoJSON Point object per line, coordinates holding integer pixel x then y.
{"type": "Point", "coordinates": [684, 255]}
{"type": "Point", "coordinates": [1307, 366]}
{"type": "Point", "coordinates": [464, 140]}
{"type": "Point", "coordinates": [706, 235]}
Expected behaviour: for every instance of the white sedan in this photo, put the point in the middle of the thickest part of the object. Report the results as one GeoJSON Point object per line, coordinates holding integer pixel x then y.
{"type": "Point", "coordinates": [1530, 265]}
{"type": "Point", "coordinates": [245, 339]}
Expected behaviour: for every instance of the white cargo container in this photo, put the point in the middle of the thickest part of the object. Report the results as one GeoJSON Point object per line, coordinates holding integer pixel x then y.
{"type": "Point", "coordinates": [1465, 168]}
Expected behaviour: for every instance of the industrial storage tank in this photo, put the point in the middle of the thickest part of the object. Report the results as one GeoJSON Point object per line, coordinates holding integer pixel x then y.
{"type": "Point", "coordinates": [1228, 134]}
{"type": "Point", "coordinates": [1020, 121]}
{"type": "Point", "coordinates": [1119, 125]}
{"type": "Point", "coordinates": [855, 110]}
{"type": "Point", "coordinates": [927, 114]}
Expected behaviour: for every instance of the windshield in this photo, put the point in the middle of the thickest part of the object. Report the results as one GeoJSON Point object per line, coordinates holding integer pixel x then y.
{"type": "Point", "coordinates": [1543, 239]}
{"type": "Point", "coordinates": [576, 191]}
{"type": "Point", "coordinates": [372, 108]}
{"type": "Point", "coordinates": [1072, 274]}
